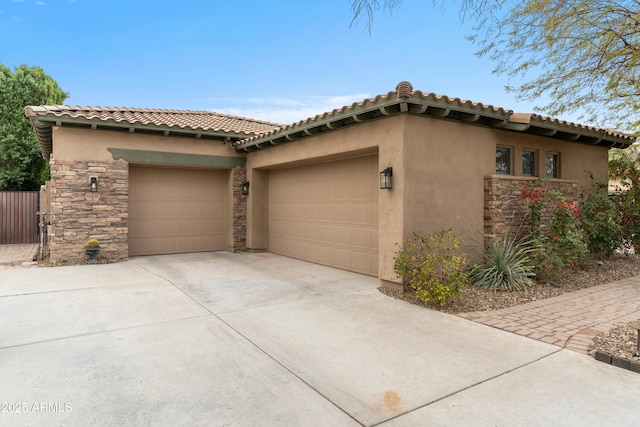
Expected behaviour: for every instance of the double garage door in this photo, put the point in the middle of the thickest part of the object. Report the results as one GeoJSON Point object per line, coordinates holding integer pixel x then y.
{"type": "Point", "coordinates": [175, 210]}
{"type": "Point", "coordinates": [327, 213]}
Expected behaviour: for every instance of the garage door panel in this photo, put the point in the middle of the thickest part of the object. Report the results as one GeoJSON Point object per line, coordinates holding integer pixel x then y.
{"type": "Point", "coordinates": [362, 214]}
{"type": "Point", "coordinates": [343, 212]}
{"type": "Point", "coordinates": [361, 237]}
{"type": "Point", "coordinates": [175, 210]}
{"type": "Point", "coordinates": [165, 208]}
{"type": "Point", "coordinates": [344, 192]}
{"type": "Point", "coordinates": [327, 213]}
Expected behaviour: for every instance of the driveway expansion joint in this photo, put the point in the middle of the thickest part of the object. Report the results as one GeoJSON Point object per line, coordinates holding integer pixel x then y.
{"type": "Point", "coordinates": [486, 380]}
{"type": "Point", "coordinates": [254, 344]}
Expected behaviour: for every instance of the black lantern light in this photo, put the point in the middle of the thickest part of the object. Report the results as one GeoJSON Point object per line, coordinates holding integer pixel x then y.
{"type": "Point", "coordinates": [245, 187]}
{"type": "Point", "coordinates": [385, 178]}
{"type": "Point", "coordinates": [94, 184]}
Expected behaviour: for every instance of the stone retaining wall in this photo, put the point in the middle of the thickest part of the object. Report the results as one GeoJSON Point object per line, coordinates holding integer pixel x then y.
{"type": "Point", "coordinates": [506, 212]}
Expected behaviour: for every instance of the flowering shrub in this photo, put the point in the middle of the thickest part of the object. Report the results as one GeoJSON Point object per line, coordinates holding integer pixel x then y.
{"type": "Point", "coordinates": [566, 246]}
{"type": "Point", "coordinates": [433, 266]}
{"type": "Point", "coordinates": [600, 221]}
{"type": "Point", "coordinates": [535, 198]}
{"type": "Point", "coordinates": [562, 244]}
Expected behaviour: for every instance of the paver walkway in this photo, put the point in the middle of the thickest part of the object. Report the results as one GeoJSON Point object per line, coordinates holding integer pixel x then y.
{"type": "Point", "coordinates": [570, 320]}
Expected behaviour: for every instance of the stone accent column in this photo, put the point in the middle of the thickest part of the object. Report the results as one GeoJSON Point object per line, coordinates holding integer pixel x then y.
{"type": "Point", "coordinates": [238, 176]}
{"type": "Point", "coordinates": [504, 210]}
{"type": "Point", "coordinates": [77, 214]}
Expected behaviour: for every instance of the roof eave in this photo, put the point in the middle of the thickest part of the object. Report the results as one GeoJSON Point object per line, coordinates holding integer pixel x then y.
{"type": "Point", "coordinates": [440, 108]}
{"type": "Point", "coordinates": [381, 107]}
{"type": "Point", "coordinates": [43, 127]}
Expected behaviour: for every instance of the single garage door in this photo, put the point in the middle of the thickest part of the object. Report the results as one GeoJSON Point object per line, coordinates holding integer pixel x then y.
{"type": "Point", "coordinates": [176, 210]}
{"type": "Point", "coordinates": [327, 213]}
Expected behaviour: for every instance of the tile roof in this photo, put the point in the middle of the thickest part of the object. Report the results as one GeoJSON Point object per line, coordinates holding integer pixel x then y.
{"type": "Point", "coordinates": [249, 134]}
{"type": "Point", "coordinates": [169, 121]}
{"type": "Point", "coordinates": [202, 120]}
{"type": "Point", "coordinates": [406, 100]}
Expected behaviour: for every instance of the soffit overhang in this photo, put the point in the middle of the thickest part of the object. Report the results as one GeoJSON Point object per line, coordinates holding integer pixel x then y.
{"type": "Point", "coordinates": [438, 107]}
{"type": "Point", "coordinates": [231, 129]}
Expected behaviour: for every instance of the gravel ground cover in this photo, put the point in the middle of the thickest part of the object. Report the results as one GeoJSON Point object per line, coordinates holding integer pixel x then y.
{"type": "Point", "coordinates": [619, 341]}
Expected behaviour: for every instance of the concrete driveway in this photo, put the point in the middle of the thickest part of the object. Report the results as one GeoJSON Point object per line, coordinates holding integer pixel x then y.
{"type": "Point", "coordinates": [260, 339]}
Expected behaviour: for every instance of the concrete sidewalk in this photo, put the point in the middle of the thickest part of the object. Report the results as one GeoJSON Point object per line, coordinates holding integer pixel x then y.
{"type": "Point", "coordinates": [260, 339]}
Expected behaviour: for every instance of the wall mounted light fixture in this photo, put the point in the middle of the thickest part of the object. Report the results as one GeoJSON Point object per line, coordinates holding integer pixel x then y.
{"type": "Point", "coordinates": [94, 184]}
{"type": "Point", "coordinates": [385, 178]}
{"type": "Point", "coordinates": [245, 187]}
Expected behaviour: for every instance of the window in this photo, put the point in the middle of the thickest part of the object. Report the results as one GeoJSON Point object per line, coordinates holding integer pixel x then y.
{"type": "Point", "coordinates": [503, 160]}
{"type": "Point", "coordinates": [551, 165]}
{"type": "Point", "coordinates": [528, 163]}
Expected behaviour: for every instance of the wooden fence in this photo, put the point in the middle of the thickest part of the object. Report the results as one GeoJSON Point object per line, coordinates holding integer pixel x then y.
{"type": "Point", "coordinates": [19, 216]}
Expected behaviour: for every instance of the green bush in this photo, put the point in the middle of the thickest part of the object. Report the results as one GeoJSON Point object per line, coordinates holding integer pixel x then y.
{"type": "Point", "coordinates": [563, 243]}
{"type": "Point", "coordinates": [433, 266]}
{"type": "Point", "coordinates": [624, 166]}
{"type": "Point", "coordinates": [506, 264]}
{"type": "Point", "coordinates": [600, 220]}
{"type": "Point", "coordinates": [566, 246]}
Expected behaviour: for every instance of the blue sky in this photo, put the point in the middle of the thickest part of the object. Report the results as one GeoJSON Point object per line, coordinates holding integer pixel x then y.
{"type": "Point", "coordinates": [275, 60]}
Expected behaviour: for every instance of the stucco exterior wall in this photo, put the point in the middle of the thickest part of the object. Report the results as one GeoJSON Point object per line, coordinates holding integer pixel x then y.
{"type": "Point", "coordinates": [85, 144]}
{"type": "Point", "coordinates": [382, 136]}
{"type": "Point", "coordinates": [440, 168]}
{"type": "Point", "coordinates": [447, 163]}
{"type": "Point", "coordinates": [77, 214]}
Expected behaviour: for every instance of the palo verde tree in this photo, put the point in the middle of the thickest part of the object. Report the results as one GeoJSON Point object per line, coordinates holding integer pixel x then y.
{"type": "Point", "coordinates": [581, 55]}
{"type": "Point", "coordinates": [22, 167]}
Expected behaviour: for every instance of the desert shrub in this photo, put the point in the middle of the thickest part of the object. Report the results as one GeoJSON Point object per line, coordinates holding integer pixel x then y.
{"type": "Point", "coordinates": [566, 245]}
{"type": "Point", "coordinates": [506, 264]}
{"type": "Point", "coordinates": [562, 244]}
{"type": "Point", "coordinates": [600, 220]}
{"type": "Point", "coordinates": [433, 266]}
{"type": "Point", "coordinates": [92, 243]}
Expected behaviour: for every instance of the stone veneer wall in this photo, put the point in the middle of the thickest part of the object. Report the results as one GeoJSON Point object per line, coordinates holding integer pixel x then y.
{"type": "Point", "coordinates": [239, 175]}
{"type": "Point", "coordinates": [505, 211]}
{"type": "Point", "coordinates": [77, 214]}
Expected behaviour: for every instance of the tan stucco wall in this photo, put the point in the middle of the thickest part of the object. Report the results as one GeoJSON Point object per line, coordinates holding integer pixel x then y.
{"type": "Point", "coordinates": [86, 144]}
{"type": "Point", "coordinates": [445, 166]}
{"type": "Point", "coordinates": [439, 170]}
{"type": "Point", "coordinates": [78, 146]}
{"type": "Point", "coordinates": [382, 136]}
{"type": "Point", "coordinates": [575, 158]}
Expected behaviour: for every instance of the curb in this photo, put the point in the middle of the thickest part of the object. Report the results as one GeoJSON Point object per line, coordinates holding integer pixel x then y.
{"type": "Point", "coordinates": [620, 362]}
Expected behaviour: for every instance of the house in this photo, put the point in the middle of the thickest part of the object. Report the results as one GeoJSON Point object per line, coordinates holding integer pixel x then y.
{"type": "Point", "coordinates": [160, 181]}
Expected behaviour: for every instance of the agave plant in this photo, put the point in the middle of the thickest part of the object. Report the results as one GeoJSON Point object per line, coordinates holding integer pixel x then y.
{"type": "Point", "coordinates": [506, 264]}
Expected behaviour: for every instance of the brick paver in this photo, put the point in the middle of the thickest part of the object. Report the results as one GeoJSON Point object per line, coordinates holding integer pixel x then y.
{"type": "Point", "coordinates": [570, 320]}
